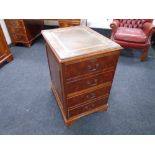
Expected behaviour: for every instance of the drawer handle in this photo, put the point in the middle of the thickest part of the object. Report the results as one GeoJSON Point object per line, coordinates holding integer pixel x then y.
{"type": "Point", "coordinates": [86, 108]}
{"type": "Point", "coordinates": [95, 82]}
{"type": "Point", "coordinates": [89, 107]}
{"type": "Point", "coordinates": [90, 68]}
{"type": "Point", "coordinates": [91, 96]}
{"type": "Point", "coordinates": [97, 65]}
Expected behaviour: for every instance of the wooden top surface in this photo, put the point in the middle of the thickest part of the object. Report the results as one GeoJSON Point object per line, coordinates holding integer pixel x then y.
{"type": "Point", "coordinates": [77, 41]}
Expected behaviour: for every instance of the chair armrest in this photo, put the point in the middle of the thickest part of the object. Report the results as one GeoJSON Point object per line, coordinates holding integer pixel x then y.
{"type": "Point", "coordinates": [114, 25]}
{"type": "Point", "coordinates": [148, 28]}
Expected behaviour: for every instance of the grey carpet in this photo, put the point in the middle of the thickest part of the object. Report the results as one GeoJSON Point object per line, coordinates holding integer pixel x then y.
{"type": "Point", "coordinates": [27, 105]}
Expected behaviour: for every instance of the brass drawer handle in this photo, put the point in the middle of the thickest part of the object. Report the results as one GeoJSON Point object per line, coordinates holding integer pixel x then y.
{"type": "Point", "coordinates": [97, 65]}
{"type": "Point", "coordinates": [92, 83]}
{"type": "Point", "coordinates": [91, 96]}
{"type": "Point", "coordinates": [90, 68]}
{"type": "Point", "coordinates": [93, 105]}
{"type": "Point", "coordinates": [89, 107]}
{"type": "Point", "coordinates": [86, 108]}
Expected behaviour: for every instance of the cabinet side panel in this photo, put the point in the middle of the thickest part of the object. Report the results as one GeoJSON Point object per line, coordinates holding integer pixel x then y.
{"type": "Point", "coordinates": [5, 54]}
{"type": "Point", "coordinates": [3, 44]}
{"type": "Point", "coordinates": [54, 68]}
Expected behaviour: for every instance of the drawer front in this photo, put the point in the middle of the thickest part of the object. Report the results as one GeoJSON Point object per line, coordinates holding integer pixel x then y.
{"type": "Point", "coordinates": [87, 107]}
{"type": "Point", "coordinates": [89, 66]}
{"type": "Point", "coordinates": [89, 82]}
{"type": "Point", "coordinates": [19, 31]}
{"type": "Point", "coordinates": [87, 97]}
{"type": "Point", "coordinates": [15, 23]}
{"type": "Point", "coordinates": [19, 38]}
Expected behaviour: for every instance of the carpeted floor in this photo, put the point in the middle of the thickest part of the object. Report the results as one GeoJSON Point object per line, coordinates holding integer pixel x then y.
{"type": "Point", "coordinates": [27, 105]}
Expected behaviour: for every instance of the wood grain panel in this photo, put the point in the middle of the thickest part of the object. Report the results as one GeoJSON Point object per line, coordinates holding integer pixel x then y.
{"type": "Point", "coordinates": [5, 54]}
{"type": "Point", "coordinates": [87, 107]}
{"type": "Point", "coordinates": [93, 65]}
{"type": "Point", "coordinates": [54, 72]}
{"type": "Point", "coordinates": [88, 96]}
{"type": "Point", "coordinates": [88, 82]}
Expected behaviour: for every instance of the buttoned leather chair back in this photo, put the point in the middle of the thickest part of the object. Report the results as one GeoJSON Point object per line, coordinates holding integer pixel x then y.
{"type": "Point", "coordinates": [133, 23]}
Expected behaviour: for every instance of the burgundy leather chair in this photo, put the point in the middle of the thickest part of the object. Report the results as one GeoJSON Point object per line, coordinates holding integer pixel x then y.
{"type": "Point", "coordinates": [133, 33]}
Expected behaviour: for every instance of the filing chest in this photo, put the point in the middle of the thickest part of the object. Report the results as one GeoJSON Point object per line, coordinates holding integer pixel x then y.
{"type": "Point", "coordinates": [82, 65]}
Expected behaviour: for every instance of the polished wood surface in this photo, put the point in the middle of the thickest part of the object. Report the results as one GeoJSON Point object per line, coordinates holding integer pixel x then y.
{"type": "Point", "coordinates": [81, 78]}
{"type": "Point", "coordinates": [25, 31]}
{"type": "Point", "coordinates": [5, 54]}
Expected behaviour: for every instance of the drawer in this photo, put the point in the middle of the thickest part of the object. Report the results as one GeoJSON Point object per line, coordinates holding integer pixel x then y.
{"type": "Point", "coordinates": [15, 23]}
{"type": "Point", "coordinates": [91, 65]}
{"type": "Point", "coordinates": [87, 107]}
{"type": "Point", "coordinates": [88, 82]}
{"type": "Point", "coordinates": [19, 38]}
{"type": "Point", "coordinates": [87, 97]}
{"type": "Point", "coordinates": [18, 31]}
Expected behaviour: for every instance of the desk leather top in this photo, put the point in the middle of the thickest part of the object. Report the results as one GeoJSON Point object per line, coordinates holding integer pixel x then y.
{"type": "Point", "coordinates": [77, 41]}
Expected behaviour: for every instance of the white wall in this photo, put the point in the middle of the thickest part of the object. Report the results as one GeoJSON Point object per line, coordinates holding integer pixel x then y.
{"type": "Point", "coordinates": [5, 31]}
{"type": "Point", "coordinates": [99, 23]}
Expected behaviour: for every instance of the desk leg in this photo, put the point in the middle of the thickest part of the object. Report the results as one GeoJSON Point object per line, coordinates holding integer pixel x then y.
{"type": "Point", "coordinates": [28, 44]}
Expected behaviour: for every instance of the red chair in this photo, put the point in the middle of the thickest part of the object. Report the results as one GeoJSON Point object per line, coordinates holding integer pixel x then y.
{"type": "Point", "coordinates": [133, 33]}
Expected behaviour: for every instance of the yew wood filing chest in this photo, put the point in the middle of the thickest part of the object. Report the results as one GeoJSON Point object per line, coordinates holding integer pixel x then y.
{"type": "Point", "coordinates": [82, 64]}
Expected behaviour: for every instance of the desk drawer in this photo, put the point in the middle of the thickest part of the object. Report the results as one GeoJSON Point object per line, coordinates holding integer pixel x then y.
{"type": "Point", "coordinates": [90, 66]}
{"type": "Point", "coordinates": [14, 23]}
{"type": "Point", "coordinates": [87, 107]}
{"type": "Point", "coordinates": [87, 97]}
{"type": "Point", "coordinates": [19, 37]}
{"type": "Point", "coordinates": [18, 31]}
{"type": "Point", "coordinates": [89, 82]}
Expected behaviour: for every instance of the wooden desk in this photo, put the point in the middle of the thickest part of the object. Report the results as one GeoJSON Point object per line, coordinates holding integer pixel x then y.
{"type": "Point", "coordinates": [82, 64]}
{"type": "Point", "coordinates": [25, 31]}
{"type": "Point", "coordinates": [5, 54]}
